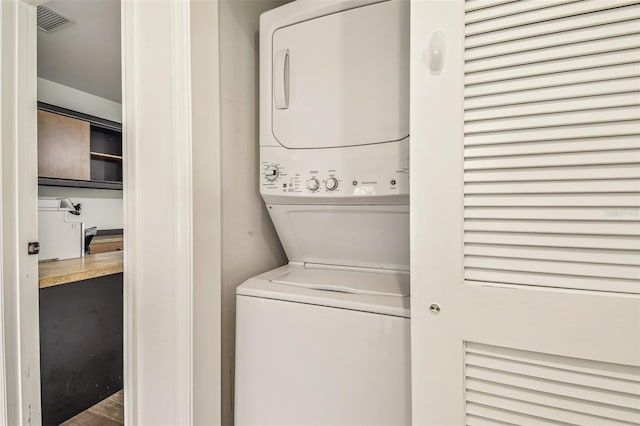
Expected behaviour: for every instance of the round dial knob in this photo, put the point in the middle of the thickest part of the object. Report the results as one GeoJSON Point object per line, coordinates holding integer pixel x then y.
{"type": "Point", "coordinates": [313, 184]}
{"type": "Point", "coordinates": [331, 184]}
{"type": "Point", "coordinates": [271, 173]}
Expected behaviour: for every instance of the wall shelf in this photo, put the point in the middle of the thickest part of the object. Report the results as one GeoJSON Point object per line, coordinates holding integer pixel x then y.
{"type": "Point", "coordinates": [72, 183]}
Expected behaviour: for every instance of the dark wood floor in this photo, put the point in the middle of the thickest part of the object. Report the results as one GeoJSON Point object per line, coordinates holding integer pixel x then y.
{"type": "Point", "coordinates": [109, 412]}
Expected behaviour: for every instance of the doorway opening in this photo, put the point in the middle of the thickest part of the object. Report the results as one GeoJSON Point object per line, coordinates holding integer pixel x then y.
{"type": "Point", "coordinates": [80, 212]}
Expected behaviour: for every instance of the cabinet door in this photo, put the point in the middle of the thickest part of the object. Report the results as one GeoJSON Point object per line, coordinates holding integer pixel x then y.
{"type": "Point", "coordinates": [63, 147]}
{"type": "Point", "coordinates": [525, 201]}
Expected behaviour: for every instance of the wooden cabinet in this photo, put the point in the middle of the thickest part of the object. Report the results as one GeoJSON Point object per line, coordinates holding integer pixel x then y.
{"type": "Point", "coordinates": [81, 345]}
{"type": "Point", "coordinates": [106, 243]}
{"type": "Point", "coordinates": [78, 150]}
{"type": "Point", "coordinates": [63, 147]}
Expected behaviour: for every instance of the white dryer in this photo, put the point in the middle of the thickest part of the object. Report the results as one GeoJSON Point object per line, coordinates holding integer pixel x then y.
{"type": "Point", "coordinates": [325, 339]}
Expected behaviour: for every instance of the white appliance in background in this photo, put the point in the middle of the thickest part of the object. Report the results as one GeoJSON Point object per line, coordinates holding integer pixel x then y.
{"type": "Point", "coordinates": [324, 340]}
{"type": "Point", "coordinates": [61, 237]}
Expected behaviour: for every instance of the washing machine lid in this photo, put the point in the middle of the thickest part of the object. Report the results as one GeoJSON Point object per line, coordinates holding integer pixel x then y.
{"type": "Point", "coordinates": [347, 281]}
{"type": "Point", "coordinates": [365, 236]}
{"type": "Point", "coordinates": [384, 293]}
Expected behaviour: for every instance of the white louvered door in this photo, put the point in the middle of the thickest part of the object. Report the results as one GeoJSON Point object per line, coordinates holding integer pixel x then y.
{"type": "Point", "coordinates": [525, 212]}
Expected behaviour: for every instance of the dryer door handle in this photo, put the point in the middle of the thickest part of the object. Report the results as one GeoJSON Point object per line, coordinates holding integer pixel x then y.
{"type": "Point", "coordinates": [281, 79]}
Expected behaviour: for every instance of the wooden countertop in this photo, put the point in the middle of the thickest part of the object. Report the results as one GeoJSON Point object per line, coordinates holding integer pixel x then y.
{"type": "Point", "coordinates": [59, 272]}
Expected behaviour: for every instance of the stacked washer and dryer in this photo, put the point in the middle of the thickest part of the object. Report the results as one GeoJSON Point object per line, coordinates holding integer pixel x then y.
{"type": "Point", "coordinates": [325, 339]}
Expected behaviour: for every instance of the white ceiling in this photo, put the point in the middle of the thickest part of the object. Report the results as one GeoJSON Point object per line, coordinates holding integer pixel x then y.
{"type": "Point", "coordinates": [85, 55]}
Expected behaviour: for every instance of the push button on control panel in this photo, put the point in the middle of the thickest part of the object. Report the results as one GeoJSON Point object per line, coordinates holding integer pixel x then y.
{"type": "Point", "coordinates": [313, 184]}
{"type": "Point", "coordinates": [331, 184]}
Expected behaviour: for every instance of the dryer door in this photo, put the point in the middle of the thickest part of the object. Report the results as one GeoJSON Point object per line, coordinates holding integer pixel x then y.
{"type": "Point", "coordinates": [342, 79]}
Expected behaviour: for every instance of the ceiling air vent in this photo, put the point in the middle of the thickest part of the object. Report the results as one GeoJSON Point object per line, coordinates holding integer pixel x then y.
{"type": "Point", "coordinates": [50, 20]}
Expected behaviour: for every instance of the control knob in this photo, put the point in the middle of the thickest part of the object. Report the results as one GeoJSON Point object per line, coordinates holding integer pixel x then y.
{"type": "Point", "coordinates": [331, 184]}
{"type": "Point", "coordinates": [313, 184]}
{"type": "Point", "coordinates": [271, 173]}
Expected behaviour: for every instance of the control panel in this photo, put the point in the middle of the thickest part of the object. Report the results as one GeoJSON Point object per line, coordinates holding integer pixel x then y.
{"type": "Point", "coordinates": [363, 171]}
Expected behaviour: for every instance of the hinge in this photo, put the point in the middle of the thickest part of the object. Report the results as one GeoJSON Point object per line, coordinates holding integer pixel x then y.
{"type": "Point", "coordinates": [33, 247]}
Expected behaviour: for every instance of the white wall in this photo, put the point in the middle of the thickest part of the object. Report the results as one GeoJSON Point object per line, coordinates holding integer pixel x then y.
{"type": "Point", "coordinates": [205, 101]}
{"type": "Point", "coordinates": [249, 242]}
{"type": "Point", "coordinates": [67, 97]}
{"type": "Point", "coordinates": [100, 207]}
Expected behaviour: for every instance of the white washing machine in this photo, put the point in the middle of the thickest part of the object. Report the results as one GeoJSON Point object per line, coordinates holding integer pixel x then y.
{"type": "Point", "coordinates": [324, 340]}
{"type": "Point", "coordinates": [337, 356]}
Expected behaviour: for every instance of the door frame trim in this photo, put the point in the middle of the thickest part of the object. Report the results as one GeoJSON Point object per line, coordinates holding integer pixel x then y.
{"type": "Point", "coordinates": [172, 351]}
{"type": "Point", "coordinates": [169, 328]}
{"type": "Point", "coordinates": [174, 394]}
{"type": "Point", "coordinates": [20, 354]}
